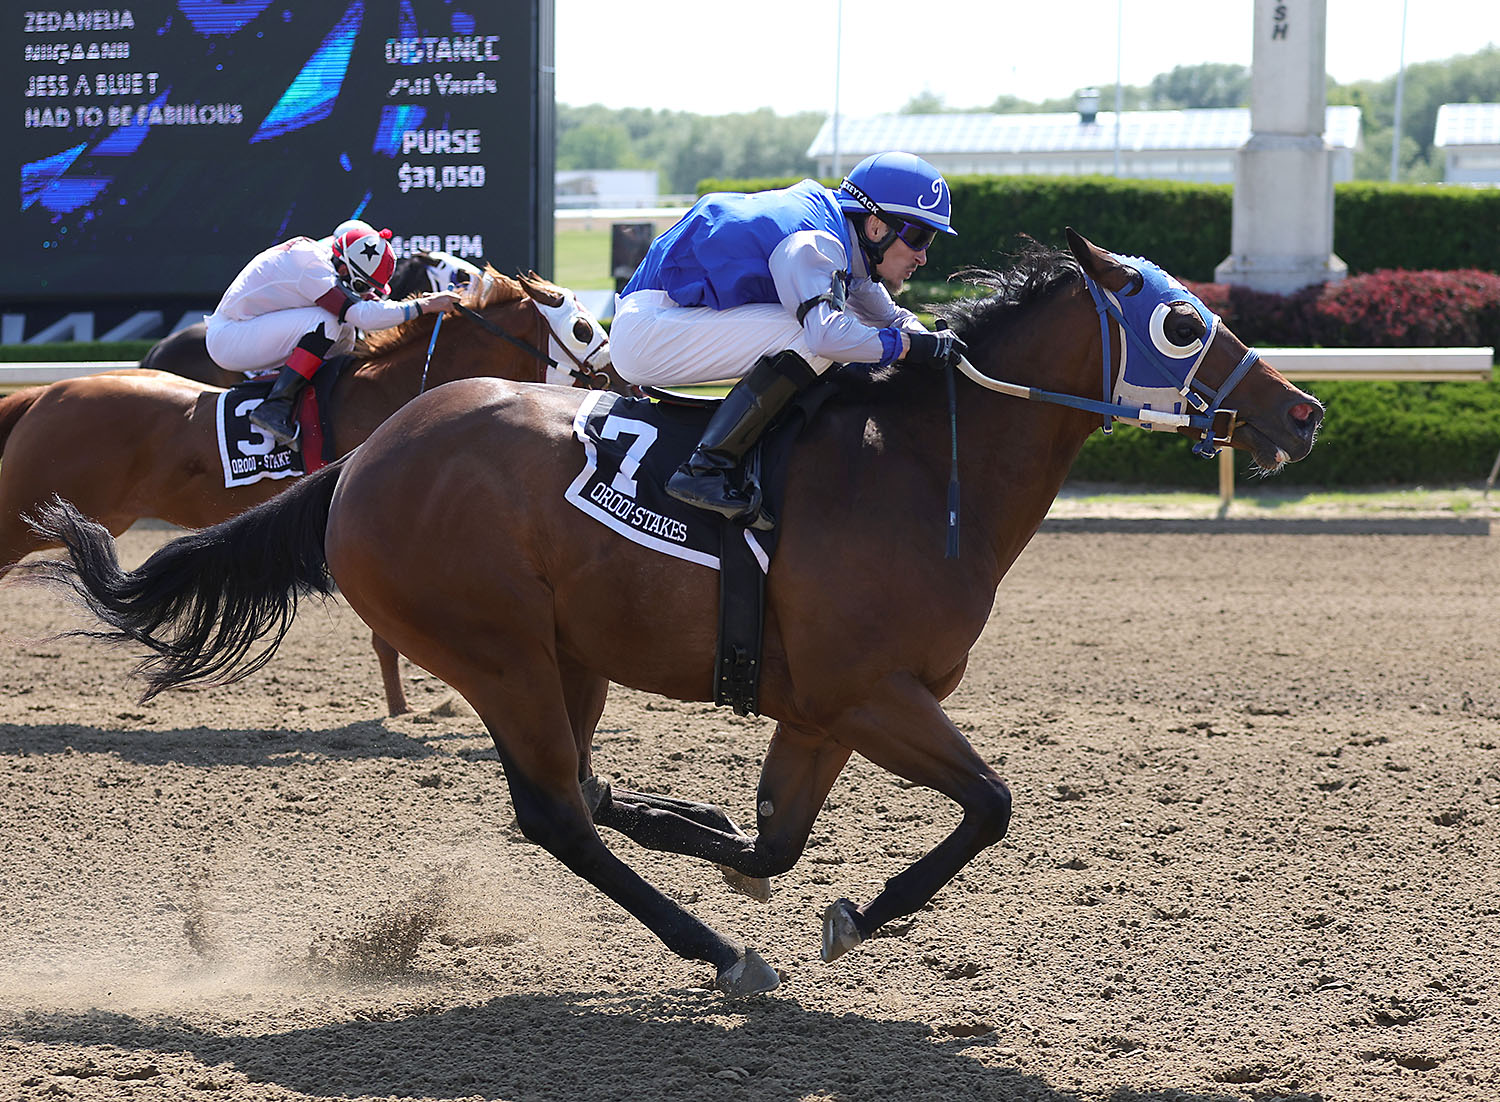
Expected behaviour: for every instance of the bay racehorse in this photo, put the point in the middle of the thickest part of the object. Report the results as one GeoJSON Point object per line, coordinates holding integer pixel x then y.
{"type": "Point", "coordinates": [185, 352]}
{"type": "Point", "coordinates": [527, 607]}
{"type": "Point", "coordinates": [129, 444]}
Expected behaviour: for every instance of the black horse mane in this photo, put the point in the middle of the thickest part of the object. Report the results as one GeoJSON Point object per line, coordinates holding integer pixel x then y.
{"type": "Point", "coordinates": [1035, 272]}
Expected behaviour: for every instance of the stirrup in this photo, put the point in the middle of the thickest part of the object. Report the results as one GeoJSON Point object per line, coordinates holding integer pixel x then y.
{"type": "Point", "coordinates": [763, 521]}
{"type": "Point", "coordinates": [710, 490]}
{"type": "Point", "coordinates": [278, 430]}
{"type": "Point", "coordinates": [729, 502]}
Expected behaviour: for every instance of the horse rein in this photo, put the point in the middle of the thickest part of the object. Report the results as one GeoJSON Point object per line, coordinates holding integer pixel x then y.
{"type": "Point", "coordinates": [590, 377]}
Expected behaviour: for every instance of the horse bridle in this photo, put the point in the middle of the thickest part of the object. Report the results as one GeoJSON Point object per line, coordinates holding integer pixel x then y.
{"type": "Point", "coordinates": [1206, 412]}
{"type": "Point", "coordinates": [584, 373]}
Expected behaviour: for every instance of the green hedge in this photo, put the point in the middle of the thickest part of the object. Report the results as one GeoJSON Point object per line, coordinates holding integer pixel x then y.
{"type": "Point", "coordinates": [74, 350]}
{"type": "Point", "coordinates": [1182, 227]}
{"type": "Point", "coordinates": [1402, 226]}
{"type": "Point", "coordinates": [1186, 227]}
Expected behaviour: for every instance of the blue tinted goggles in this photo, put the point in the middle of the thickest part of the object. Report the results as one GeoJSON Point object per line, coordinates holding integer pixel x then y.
{"type": "Point", "coordinates": [914, 235]}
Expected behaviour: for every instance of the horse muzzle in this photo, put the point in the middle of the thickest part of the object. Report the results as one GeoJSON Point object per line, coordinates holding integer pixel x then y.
{"type": "Point", "coordinates": [1285, 435]}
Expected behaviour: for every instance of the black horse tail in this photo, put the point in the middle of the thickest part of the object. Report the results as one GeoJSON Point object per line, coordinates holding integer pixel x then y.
{"type": "Point", "coordinates": [204, 600]}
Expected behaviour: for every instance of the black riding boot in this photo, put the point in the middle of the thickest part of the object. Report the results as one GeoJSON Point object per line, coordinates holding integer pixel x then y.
{"type": "Point", "coordinates": [742, 417]}
{"type": "Point", "coordinates": [276, 414]}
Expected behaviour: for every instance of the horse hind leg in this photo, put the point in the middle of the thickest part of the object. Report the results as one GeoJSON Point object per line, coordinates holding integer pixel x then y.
{"type": "Point", "coordinates": [676, 826]}
{"type": "Point", "coordinates": [390, 675]}
{"type": "Point", "coordinates": [498, 652]}
{"type": "Point", "coordinates": [532, 735]}
{"type": "Point", "coordinates": [800, 768]}
{"type": "Point", "coordinates": [657, 822]}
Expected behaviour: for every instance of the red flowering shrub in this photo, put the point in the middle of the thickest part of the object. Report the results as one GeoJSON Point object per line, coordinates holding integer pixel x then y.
{"type": "Point", "coordinates": [1384, 309]}
{"type": "Point", "coordinates": [1257, 317]}
{"type": "Point", "coordinates": [1407, 309]}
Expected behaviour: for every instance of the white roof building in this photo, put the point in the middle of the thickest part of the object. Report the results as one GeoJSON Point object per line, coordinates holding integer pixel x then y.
{"type": "Point", "coordinates": [1469, 136]}
{"type": "Point", "coordinates": [1196, 145]}
{"type": "Point", "coordinates": [606, 187]}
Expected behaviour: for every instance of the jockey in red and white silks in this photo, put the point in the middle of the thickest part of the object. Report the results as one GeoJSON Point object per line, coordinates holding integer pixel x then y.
{"type": "Point", "coordinates": [284, 292]}
{"type": "Point", "coordinates": [300, 302]}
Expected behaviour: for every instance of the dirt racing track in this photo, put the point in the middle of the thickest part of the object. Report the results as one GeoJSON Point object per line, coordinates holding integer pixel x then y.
{"type": "Point", "coordinates": [1254, 856]}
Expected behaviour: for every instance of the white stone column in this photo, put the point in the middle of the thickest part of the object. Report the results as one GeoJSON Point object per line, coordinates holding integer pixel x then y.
{"type": "Point", "coordinates": [1282, 237]}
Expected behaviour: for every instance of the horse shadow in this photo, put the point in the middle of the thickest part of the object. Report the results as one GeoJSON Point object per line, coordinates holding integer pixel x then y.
{"type": "Point", "coordinates": [679, 1044]}
{"type": "Point", "coordinates": [364, 739]}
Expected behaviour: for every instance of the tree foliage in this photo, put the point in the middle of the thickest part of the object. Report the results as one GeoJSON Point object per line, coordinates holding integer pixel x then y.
{"type": "Point", "coordinates": [1472, 78]}
{"type": "Point", "coordinates": [685, 148]}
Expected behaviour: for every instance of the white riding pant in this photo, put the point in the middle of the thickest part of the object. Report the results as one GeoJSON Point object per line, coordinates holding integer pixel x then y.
{"type": "Point", "coordinates": [260, 343]}
{"type": "Point", "coordinates": [655, 342]}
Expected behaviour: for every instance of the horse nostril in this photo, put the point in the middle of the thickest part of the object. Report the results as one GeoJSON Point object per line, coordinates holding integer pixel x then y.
{"type": "Point", "coordinates": [1306, 415]}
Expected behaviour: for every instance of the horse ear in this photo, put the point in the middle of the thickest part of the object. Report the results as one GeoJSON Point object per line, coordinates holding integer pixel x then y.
{"type": "Point", "coordinates": [539, 289]}
{"type": "Point", "coordinates": [1101, 266]}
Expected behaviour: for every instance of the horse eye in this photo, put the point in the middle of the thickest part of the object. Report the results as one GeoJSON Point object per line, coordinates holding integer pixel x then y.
{"type": "Point", "coordinates": [1177, 330]}
{"type": "Point", "coordinates": [583, 332]}
{"type": "Point", "coordinates": [1184, 326]}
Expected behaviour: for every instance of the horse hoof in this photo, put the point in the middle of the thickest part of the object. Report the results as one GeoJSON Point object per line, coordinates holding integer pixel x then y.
{"type": "Point", "coordinates": [750, 975]}
{"type": "Point", "coordinates": [596, 792]}
{"type": "Point", "coordinates": [840, 934]}
{"type": "Point", "coordinates": [757, 888]}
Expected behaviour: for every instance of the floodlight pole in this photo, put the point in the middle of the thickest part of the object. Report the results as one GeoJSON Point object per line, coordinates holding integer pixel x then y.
{"type": "Point", "coordinates": [1119, 52]}
{"type": "Point", "coordinates": [1400, 88]}
{"type": "Point", "coordinates": [838, 50]}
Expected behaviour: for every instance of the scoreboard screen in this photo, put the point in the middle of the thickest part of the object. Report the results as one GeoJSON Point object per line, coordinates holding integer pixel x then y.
{"type": "Point", "coordinates": [160, 145]}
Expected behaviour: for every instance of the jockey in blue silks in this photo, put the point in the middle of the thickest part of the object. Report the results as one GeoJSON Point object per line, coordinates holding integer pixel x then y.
{"type": "Point", "coordinates": [789, 282]}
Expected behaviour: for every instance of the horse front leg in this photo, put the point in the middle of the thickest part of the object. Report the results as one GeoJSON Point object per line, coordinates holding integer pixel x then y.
{"type": "Point", "coordinates": [903, 729]}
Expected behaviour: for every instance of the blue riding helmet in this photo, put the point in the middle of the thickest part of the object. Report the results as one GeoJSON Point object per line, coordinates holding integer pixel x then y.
{"type": "Point", "coordinates": [900, 187]}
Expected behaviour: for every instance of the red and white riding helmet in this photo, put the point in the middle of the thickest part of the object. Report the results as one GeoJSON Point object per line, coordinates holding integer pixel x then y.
{"type": "Point", "coordinates": [368, 258]}
{"type": "Point", "coordinates": [351, 224]}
